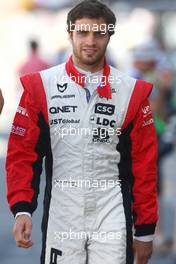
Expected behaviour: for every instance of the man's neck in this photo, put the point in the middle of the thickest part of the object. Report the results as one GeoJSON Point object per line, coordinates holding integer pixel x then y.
{"type": "Point", "coordinates": [91, 68]}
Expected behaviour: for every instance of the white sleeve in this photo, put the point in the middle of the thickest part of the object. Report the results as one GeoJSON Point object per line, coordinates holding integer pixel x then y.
{"type": "Point", "coordinates": [147, 238]}
{"type": "Point", "coordinates": [22, 213]}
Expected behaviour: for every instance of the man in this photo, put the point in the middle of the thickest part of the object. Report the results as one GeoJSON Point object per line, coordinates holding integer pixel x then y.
{"type": "Point", "coordinates": [95, 181]}
{"type": "Point", "coordinates": [1, 101]}
{"type": "Point", "coordinates": [34, 62]}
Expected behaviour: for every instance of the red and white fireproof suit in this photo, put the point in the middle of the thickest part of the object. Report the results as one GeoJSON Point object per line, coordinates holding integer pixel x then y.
{"type": "Point", "coordinates": [120, 151]}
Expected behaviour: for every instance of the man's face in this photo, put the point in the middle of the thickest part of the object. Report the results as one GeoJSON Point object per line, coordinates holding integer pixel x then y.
{"type": "Point", "coordinates": [89, 40]}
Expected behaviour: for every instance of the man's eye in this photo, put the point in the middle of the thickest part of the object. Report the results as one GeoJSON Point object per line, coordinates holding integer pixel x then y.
{"type": "Point", "coordinates": [100, 33]}
{"type": "Point", "coordinates": [82, 32]}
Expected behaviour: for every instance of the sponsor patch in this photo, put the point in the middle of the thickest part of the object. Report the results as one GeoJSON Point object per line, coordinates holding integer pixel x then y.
{"type": "Point", "coordinates": [101, 121]}
{"type": "Point", "coordinates": [62, 88]}
{"type": "Point", "coordinates": [17, 130]}
{"type": "Point", "coordinates": [105, 122]}
{"type": "Point", "coordinates": [101, 136]}
{"type": "Point", "coordinates": [63, 109]}
{"type": "Point", "coordinates": [64, 121]}
{"type": "Point", "coordinates": [146, 110]}
{"type": "Point", "coordinates": [65, 96]}
{"type": "Point", "coordinates": [22, 111]}
{"type": "Point", "coordinates": [148, 122]}
{"type": "Point", "coordinates": [105, 109]}
{"type": "Point", "coordinates": [54, 255]}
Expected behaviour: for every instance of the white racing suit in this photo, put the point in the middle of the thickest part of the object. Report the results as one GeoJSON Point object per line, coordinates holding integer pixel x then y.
{"type": "Point", "coordinates": [100, 158]}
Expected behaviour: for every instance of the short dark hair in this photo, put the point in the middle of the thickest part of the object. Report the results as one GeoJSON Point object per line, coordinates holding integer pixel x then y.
{"type": "Point", "coordinates": [91, 9]}
{"type": "Point", "coordinates": [33, 45]}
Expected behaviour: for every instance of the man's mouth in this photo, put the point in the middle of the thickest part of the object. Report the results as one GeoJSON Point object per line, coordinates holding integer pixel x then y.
{"type": "Point", "coordinates": [90, 50]}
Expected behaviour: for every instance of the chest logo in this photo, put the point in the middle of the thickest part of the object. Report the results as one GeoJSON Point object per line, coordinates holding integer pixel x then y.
{"type": "Point", "coordinates": [62, 88]}
{"type": "Point", "coordinates": [105, 109]}
{"type": "Point", "coordinates": [63, 109]}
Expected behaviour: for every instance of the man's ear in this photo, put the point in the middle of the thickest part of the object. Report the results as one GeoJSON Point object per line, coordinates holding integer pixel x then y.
{"type": "Point", "coordinates": [70, 36]}
{"type": "Point", "coordinates": [108, 40]}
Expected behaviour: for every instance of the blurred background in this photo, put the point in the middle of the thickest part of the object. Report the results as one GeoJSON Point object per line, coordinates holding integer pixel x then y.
{"type": "Point", "coordinates": [33, 37]}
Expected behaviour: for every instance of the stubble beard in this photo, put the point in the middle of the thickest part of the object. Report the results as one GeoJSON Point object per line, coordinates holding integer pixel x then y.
{"type": "Point", "coordinates": [89, 59]}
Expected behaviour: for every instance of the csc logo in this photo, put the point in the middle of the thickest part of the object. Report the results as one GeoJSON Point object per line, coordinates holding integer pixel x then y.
{"type": "Point", "coordinates": [105, 109]}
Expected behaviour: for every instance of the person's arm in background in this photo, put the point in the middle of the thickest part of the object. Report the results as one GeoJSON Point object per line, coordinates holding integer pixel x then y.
{"type": "Point", "coordinates": [144, 189]}
{"type": "Point", "coordinates": [24, 163]}
{"type": "Point", "coordinates": [1, 101]}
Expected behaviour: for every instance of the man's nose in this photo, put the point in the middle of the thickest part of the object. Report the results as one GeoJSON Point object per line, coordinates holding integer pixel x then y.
{"type": "Point", "coordinates": [91, 40]}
